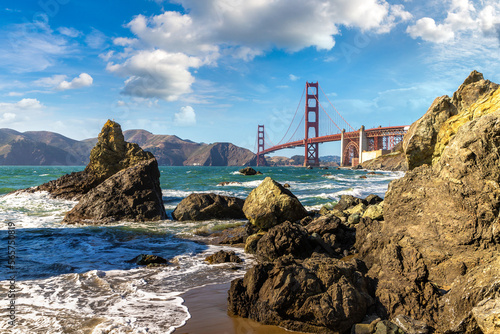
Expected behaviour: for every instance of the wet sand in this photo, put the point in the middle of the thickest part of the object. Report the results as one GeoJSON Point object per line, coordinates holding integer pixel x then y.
{"type": "Point", "coordinates": [208, 308]}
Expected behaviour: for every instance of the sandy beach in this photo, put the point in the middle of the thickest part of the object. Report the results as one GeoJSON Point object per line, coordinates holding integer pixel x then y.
{"type": "Point", "coordinates": [208, 308]}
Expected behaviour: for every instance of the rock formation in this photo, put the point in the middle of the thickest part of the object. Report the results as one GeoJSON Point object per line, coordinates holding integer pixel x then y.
{"type": "Point", "coordinates": [319, 294]}
{"type": "Point", "coordinates": [110, 155]}
{"type": "Point", "coordinates": [270, 204]}
{"type": "Point", "coordinates": [420, 140]}
{"type": "Point", "coordinates": [132, 194]}
{"type": "Point", "coordinates": [209, 206]}
{"type": "Point", "coordinates": [435, 254]}
{"type": "Point", "coordinates": [248, 171]}
{"type": "Point", "coordinates": [121, 182]}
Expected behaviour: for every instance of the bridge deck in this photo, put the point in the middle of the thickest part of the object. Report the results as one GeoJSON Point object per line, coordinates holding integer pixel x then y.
{"type": "Point", "coordinates": [375, 132]}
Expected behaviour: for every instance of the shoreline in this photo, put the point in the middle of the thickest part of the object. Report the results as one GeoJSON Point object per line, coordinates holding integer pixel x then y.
{"type": "Point", "coordinates": [207, 306]}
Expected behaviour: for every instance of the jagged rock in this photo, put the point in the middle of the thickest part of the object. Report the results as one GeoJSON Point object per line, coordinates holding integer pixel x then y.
{"type": "Point", "coordinates": [248, 171]}
{"type": "Point", "coordinates": [110, 155]}
{"type": "Point", "coordinates": [223, 257]}
{"type": "Point", "coordinates": [270, 204]}
{"type": "Point", "coordinates": [435, 255]}
{"type": "Point", "coordinates": [282, 239]}
{"type": "Point", "coordinates": [419, 141]}
{"type": "Point", "coordinates": [425, 139]}
{"type": "Point", "coordinates": [387, 327]}
{"type": "Point", "coordinates": [375, 212]}
{"type": "Point", "coordinates": [394, 161]}
{"type": "Point", "coordinates": [131, 194]}
{"type": "Point", "coordinates": [486, 104]}
{"type": "Point", "coordinates": [319, 294]}
{"type": "Point", "coordinates": [148, 260]}
{"type": "Point", "coordinates": [286, 185]}
{"type": "Point", "coordinates": [209, 206]}
{"type": "Point", "coordinates": [353, 219]}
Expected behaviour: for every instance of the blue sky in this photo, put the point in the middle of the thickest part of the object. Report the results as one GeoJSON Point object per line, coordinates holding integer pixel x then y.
{"type": "Point", "coordinates": [212, 70]}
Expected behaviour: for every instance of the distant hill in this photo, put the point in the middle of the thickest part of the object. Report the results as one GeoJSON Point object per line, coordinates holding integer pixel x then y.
{"type": "Point", "coordinates": [49, 148]}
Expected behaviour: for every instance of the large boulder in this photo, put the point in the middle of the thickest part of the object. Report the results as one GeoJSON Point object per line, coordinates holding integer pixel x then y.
{"type": "Point", "coordinates": [318, 295]}
{"type": "Point", "coordinates": [420, 141]}
{"type": "Point", "coordinates": [131, 194]}
{"type": "Point", "coordinates": [435, 255]}
{"type": "Point", "coordinates": [270, 204]}
{"type": "Point", "coordinates": [209, 206]}
{"type": "Point", "coordinates": [110, 155]}
{"type": "Point", "coordinates": [282, 239]}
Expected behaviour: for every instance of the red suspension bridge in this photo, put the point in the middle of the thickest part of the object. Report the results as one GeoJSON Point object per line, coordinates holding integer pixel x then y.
{"type": "Point", "coordinates": [317, 126]}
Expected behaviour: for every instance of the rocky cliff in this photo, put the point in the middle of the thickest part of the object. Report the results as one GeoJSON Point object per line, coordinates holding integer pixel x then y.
{"type": "Point", "coordinates": [221, 154]}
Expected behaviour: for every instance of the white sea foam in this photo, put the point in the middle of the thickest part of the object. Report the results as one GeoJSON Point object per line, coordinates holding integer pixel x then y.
{"type": "Point", "coordinates": [33, 210]}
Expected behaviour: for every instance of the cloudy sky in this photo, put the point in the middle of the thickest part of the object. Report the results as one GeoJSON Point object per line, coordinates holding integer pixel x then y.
{"type": "Point", "coordinates": [212, 70]}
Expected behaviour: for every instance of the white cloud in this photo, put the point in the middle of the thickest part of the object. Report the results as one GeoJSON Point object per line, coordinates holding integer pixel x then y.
{"type": "Point", "coordinates": [157, 73]}
{"type": "Point", "coordinates": [96, 39]}
{"type": "Point", "coordinates": [32, 46]}
{"type": "Point", "coordinates": [70, 32]}
{"type": "Point", "coordinates": [19, 112]}
{"type": "Point", "coordinates": [427, 29]}
{"type": "Point", "coordinates": [241, 29]}
{"type": "Point", "coordinates": [464, 19]}
{"type": "Point", "coordinates": [293, 77]}
{"type": "Point", "coordinates": [185, 117]}
{"type": "Point", "coordinates": [83, 80]}
{"type": "Point", "coordinates": [51, 82]}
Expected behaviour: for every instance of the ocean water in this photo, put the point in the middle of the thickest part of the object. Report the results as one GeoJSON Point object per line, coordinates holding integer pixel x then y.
{"type": "Point", "coordinates": [77, 279]}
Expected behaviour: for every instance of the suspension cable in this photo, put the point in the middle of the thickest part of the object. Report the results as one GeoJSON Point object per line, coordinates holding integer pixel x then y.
{"type": "Point", "coordinates": [291, 123]}
{"type": "Point", "coordinates": [267, 136]}
{"type": "Point", "coordinates": [317, 101]}
{"type": "Point", "coordinates": [335, 110]}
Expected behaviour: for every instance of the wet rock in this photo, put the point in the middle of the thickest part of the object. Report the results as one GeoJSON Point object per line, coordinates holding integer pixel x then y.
{"type": "Point", "coordinates": [209, 206]}
{"type": "Point", "coordinates": [319, 294]}
{"type": "Point", "coordinates": [148, 260]}
{"type": "Point", "coordinates": [283, 239]}
{"type": "Point", "coordinates": [227, 183]}
{"type": "Point", "coordinates": [387, 327]}
{"type": "Point", "coordinates": [358, 209]}
{"type": "Point", "coordinates": [270, 204]}
{"type": "Point", "coordinates": [131, 194]}
{"type": "Point", "coordinates": [248, 171]}
{"type": "Point", "coordinates": [353, 219]}
{"type": "Point", "coordinates": [223, 257]}
{"type": "Point", "coordinates": [286, 185]}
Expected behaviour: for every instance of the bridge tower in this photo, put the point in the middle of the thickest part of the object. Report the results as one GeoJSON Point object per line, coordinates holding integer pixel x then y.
{"type": "Point", "coordinates": [312, 123]}
{"type": "Point", "coordinates": [260, 146]}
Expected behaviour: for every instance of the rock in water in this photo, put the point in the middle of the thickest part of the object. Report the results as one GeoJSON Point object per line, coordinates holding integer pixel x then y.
{"type": "Point", "coordinates": [131, 194]}
{"type": "Point", "coordinates": [270, 204]}
{"type": "Point", "coordinates": [110, 155]}
{"type": "Point", "coordinates": [223, 257]}
{"type": "Point", "coordinates": [319, 294]}
{"type": "Point", "coordinates": [209, 206]}
{"type": "Point", "coordinates": [248, 171]}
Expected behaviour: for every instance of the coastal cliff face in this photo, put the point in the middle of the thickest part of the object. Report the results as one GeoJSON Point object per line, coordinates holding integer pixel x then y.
{"type": "Point", "coordinates": [435, 255]}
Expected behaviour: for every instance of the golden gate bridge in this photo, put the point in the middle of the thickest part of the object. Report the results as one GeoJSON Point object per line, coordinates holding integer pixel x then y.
{"type": "Point", "coordinates": [317, 127]}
